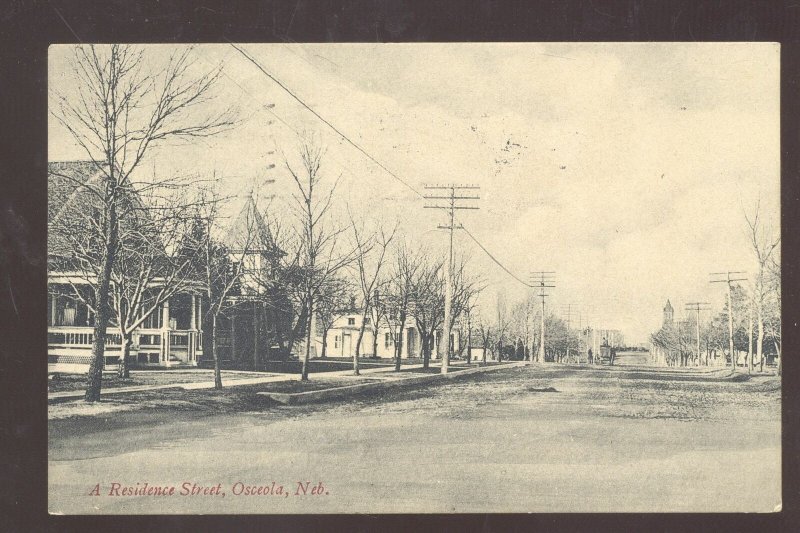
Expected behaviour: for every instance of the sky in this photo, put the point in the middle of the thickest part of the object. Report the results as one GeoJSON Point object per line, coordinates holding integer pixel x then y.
{"type": "Point", "coordinates": [625, 168]}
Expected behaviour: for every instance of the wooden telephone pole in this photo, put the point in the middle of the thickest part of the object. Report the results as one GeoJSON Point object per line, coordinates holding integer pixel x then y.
{"type": "Point", "coordinates": [728, 279]}
{"type": "Point", "coordinates": [543, 280]}
{"type": "Point", "coordinates": [451, 205]}
{"type": "Point", "coordinates": [697, 307]}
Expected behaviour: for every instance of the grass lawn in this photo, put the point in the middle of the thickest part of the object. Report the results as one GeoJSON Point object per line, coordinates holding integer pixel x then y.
{"type": "Point", "coordinates": [316, 365]}
{"type": "Point", "coordinates": [433, 369]}
{"type": "Point", "coordinates": [75, 382]}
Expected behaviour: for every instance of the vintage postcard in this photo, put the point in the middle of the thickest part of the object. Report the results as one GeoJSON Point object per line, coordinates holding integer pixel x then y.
{"type": "Point", "coordinates": [429, 278]}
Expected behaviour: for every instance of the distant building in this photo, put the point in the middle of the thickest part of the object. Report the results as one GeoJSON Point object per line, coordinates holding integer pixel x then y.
{"type": "Point", "coordinates": [342, 337]}
{"type": "Point", "coordinates": [668, 314]}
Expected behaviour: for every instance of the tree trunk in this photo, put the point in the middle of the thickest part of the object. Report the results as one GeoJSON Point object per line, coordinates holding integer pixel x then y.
{"type": "Point", "coordinates": [324, 344]}
{"type": "Point", "coordinates": [750, 342]}
{"type": "Point", "coordinates": [760, 342]}
{"type": "Point", "coordinates": [374, 342]}
{"type": "Point", "coordinates": [780, 357]}
{"type": "Point", "coordinates": [95, 378]}
{"type": "Point", "coordinates": [123, 370]}
{"type": "Point", "coordinates": [357, 353]}
{"type": "Point", "coordinates": [307, 352]}
{"type": "Point", "coordinates": [215, 353]}
{"type": "Point", "coordinates": [256, 327]}
{"type": "Point", "coordinates": [398, 346]}
{"type": "Point", "coordinates": [293, 331]}
{"type": "Point", "coordinates": [469, 340]}
{"type": "Point", "coordinates": [426, 353]}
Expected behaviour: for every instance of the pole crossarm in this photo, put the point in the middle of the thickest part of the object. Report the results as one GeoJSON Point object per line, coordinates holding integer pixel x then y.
{"type": "Point", "coordinates": [430, 197]}
{"type": "Point", "coordinates": [452, 186]}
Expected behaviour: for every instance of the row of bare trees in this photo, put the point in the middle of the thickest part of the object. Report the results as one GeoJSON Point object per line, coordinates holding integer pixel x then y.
{"type": "Point", "coordinates": [515, 333]}
{"type": "Point", "coordinates": [137, 240]}
{"type": "Point", "coordinates": [756, 312]}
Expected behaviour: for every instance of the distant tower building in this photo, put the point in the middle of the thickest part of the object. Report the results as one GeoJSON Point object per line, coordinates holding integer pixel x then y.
{"type": "Point", "coordinates": [668, 312]}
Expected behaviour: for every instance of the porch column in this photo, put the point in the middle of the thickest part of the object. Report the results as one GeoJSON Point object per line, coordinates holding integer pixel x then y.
{"type": "Point", "coordinates": [199, 324]}
{"type": "Point", "coordinates": [192, 315]}
{"type": "Point", "coordinates": [53, 310]}
{"type": "Point", "coordinates": [233, 336]}
{"type": "Point", "coordinates": [165, 332]}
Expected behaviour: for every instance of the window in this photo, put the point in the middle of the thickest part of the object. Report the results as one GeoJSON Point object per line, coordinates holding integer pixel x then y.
{"type": "Point", "coordinates": [336, 341]}
{"type": "Point", "coordinates": [351, 321]}
{"type": "Point", "coordinates": [388, 340]}
{"type": "Point", "coordinates": [367, 321]}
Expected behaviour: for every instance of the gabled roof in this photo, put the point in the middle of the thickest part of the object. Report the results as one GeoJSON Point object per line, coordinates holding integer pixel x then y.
{"type": "Point", "coordinates": [64, 184]}
{"type": "Point", "coordinates": [72, 195]}
{"type": "Point", "coordinates": [67, 192]}
{"type": "Point", "coordinates": [249, 217]}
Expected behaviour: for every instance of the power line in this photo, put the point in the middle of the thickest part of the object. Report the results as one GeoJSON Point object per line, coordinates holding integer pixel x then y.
{"type": "Point", "coordinates": [364, 152]}
{"type": "Point", "coordinates": [320, 117]}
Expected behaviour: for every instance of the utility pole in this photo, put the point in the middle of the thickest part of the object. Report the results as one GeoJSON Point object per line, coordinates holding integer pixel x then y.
{"type": "Point", "coordinates": [544, 280]}
{"type": "Point", "coordinates": [729, 280]}
{"type": "Point", "coordinates": [749, 339]}
{"type": "Point", "coordinates": [697, 307]}
{"type": "Point", "coordinates": [451, 206]}
{"type": "Point", "coordinates": [568, 309]}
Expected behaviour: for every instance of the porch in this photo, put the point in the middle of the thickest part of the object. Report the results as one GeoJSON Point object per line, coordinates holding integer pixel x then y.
{"type": "Point", "coordinates": [170, 337]}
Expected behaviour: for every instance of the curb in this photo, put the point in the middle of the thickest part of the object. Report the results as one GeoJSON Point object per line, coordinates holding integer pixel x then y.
{"type": "Point", "coordinates": [299, 398]}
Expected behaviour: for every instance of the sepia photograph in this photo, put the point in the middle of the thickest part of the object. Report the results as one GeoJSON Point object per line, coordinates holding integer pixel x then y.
{"type": "Point", "coordinates": [383, 278]}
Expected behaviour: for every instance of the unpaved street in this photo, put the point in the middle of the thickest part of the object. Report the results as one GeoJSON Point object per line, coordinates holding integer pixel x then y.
{"type": "Point", "coordinates": [531, 439]}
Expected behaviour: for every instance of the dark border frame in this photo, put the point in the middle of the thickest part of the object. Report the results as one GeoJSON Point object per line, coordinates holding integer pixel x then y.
{"type": "Point", "coordinates": [29, 27]}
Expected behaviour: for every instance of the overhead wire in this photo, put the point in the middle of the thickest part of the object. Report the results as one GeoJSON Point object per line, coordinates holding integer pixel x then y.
{"type": "Point", "coordinates": [364, 152]}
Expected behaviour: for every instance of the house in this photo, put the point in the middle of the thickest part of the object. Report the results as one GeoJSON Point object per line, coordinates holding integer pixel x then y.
{"type": "Point", "coordinates": [254, 308]}
{"type": "Point", "coordinates": [341, 338]}
{"type": "Point", "coordinates": [169, 336]}
{"type": "Point", "coordinates": [173, 335]}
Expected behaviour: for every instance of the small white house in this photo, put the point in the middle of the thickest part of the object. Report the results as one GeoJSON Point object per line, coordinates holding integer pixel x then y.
{"type": "Point", "coordinates": [342, 337]}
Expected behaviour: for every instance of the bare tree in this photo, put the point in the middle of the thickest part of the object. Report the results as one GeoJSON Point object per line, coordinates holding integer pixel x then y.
{"type": "Point", "coordinates": [332, 303]}
{"type": "Point", "coordinates": [486, 332]}
{"type": "Point", "coordinates": [120, 110]}
{"type": "Point", "coordinates": [427, 304]}
{"type": "Point", "coordinates": [428, 301]}
{"type": "Point", "coordinates": [764, 245]}
{"type": "Point", "coordinates": [502, 324]}
{"type": "Point", "coordinates": [772, 308]}
{"type": "Point", "coordinates": [320, 257]}
{"type": "Point", "coordinates": [406, 265]}
{"type": "Point", "coordinates": [369, 262]}
{"type": "Point", "coordinates": [151, 264]}
{"type": "Point", "coordinates": [520, 326]}
{"type": "Point", "coordinates": [223, 255]}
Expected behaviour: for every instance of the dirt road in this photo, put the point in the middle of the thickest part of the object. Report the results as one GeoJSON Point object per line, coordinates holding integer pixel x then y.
{"type": "Point", "coordinates": [533, 439]}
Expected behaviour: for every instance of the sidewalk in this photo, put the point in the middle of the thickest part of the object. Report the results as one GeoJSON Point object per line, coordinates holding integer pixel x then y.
{"type": "Point", "coordinates": [272, 378]}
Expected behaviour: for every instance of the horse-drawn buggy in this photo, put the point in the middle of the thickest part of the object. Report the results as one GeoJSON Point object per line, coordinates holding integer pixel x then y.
{"type": "Point", "coordinates": [606, 355]}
